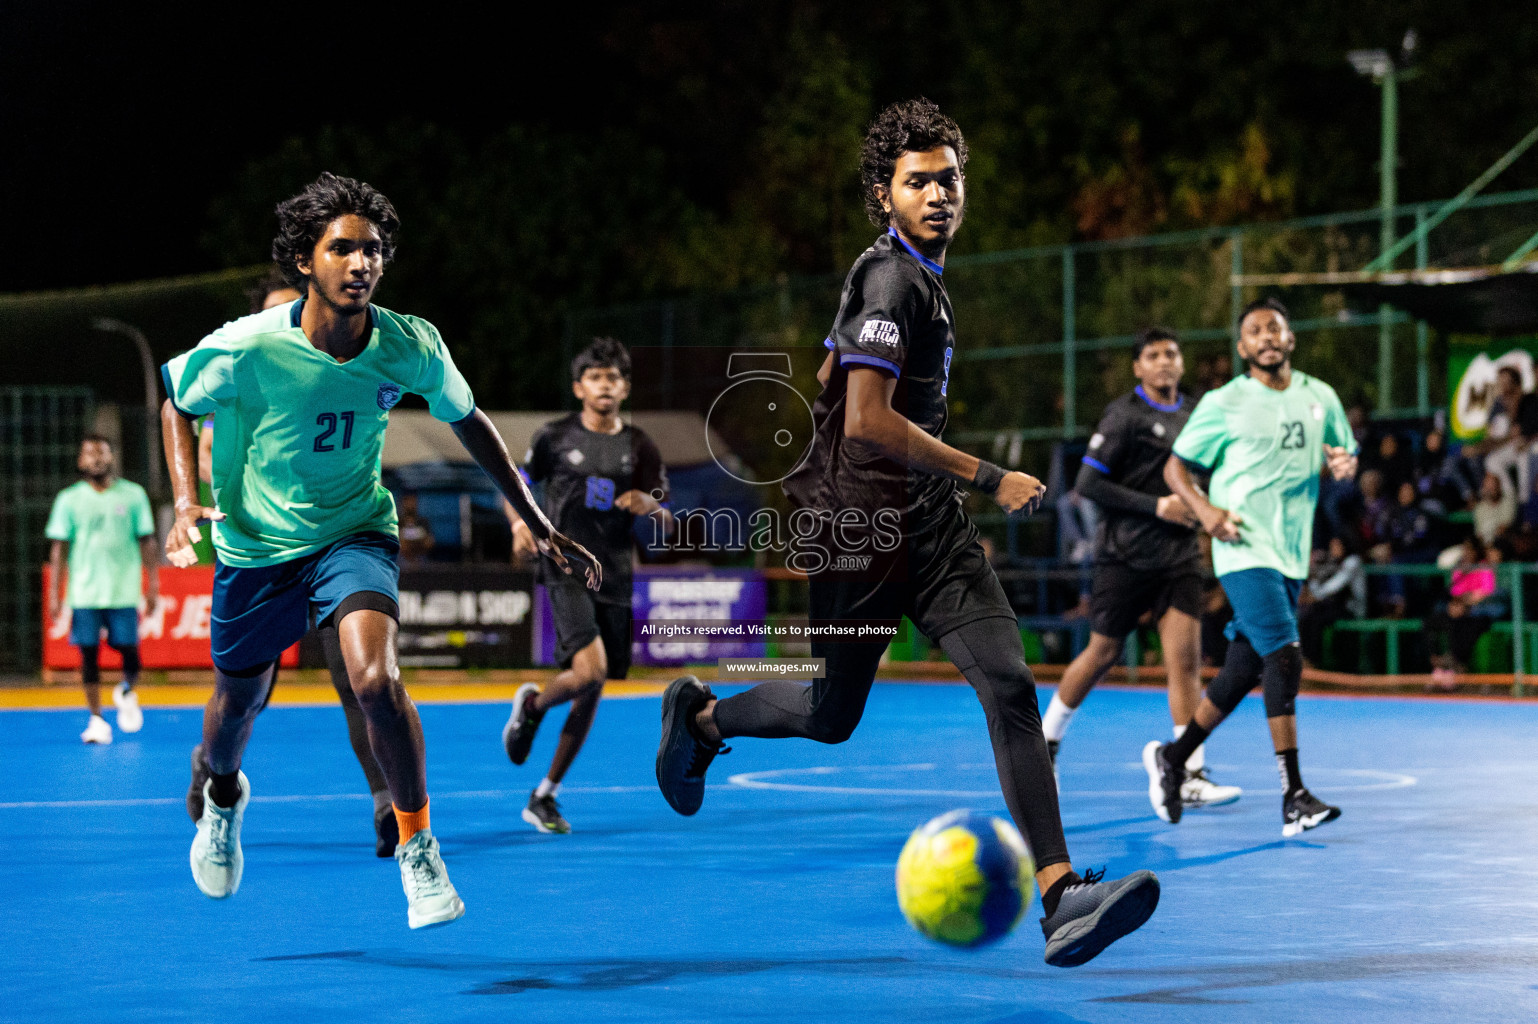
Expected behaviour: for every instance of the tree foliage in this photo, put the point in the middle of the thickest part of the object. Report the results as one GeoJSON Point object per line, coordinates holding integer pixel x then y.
{"type": "Point", "coordinates": [730, 151]}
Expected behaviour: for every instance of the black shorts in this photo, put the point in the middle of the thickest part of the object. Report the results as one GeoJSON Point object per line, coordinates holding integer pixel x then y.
{"type": "Point", "coordinates": [1123, 595]}
{"type": "Point", "coordinates": [580, 618]}
{"type": "Point", "coordinates": [941, 580]}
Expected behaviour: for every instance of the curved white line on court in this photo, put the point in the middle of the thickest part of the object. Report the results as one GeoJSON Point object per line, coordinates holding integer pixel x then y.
{"type": "Point", "coordinates": [770, 780]}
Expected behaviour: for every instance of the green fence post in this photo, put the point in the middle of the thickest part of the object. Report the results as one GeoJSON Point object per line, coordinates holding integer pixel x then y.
{"type": "Point", "coordinates": [1070, 332]}
{"type": "Point", "coordinates": [1518, 641]}
{"type": "Point", "coordinates": [1235, 291]}
{"type": "Point", "coordinates": [1422, 332]}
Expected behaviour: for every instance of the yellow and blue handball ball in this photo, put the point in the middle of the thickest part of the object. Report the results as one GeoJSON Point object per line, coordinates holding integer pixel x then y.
{"type": "Point", "coordinates": [965, 879]}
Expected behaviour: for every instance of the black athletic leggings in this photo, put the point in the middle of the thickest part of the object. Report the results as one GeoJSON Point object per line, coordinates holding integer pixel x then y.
{"type": "Point", "coordinates": [988, 652]}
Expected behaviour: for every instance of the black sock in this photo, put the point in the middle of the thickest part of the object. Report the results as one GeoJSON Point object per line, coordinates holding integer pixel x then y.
{"type": "Point", "coordinates": [1181, 749]}
{"type": "Point", "coordinates": [1287, 767]}
{"type": "Point", "coordinates": [1054, 893]}
{"type": "Point", "coordinates": [225, 789]}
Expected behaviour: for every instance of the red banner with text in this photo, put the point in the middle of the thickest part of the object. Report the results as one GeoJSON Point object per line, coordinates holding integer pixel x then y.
{"type": "Point", "coordinates": [175, 635]}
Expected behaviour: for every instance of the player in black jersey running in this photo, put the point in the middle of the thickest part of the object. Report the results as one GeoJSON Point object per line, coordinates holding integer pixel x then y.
{"type": "Point", "coordinates": [1147, 558]}
{"type": "Point", "coordinates": [598, 474]}
{"type": "Point", "coordinates": [883, 484]}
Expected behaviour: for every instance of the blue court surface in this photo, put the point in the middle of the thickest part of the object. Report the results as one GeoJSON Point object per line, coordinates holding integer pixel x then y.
{"type": "Point", "coordinates": [776, 902]}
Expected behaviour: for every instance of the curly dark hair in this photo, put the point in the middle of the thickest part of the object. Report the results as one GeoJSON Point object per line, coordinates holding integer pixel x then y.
{"type": "Point", "coordinates": [603, 352]}
{"type": "Point", "coordinates": [911, 126]}
{"type": "Point", "coordinates": [303, 219]}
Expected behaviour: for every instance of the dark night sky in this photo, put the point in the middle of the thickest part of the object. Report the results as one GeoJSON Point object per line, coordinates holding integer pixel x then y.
{"type": "Point", "coordinates": [120, 128]}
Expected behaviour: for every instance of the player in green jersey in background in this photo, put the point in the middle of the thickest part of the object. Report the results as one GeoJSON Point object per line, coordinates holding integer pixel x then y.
{"type": "Point", "coordinates": [104, 526]}
{"type": "Point", "coordinates": [1265, 437]}
{"type": "Point", "coordinates": [303, 527]}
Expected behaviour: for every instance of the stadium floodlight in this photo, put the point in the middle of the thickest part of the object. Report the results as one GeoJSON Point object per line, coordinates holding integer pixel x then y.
{"type": "Point", "coordinates": [1373, 63]}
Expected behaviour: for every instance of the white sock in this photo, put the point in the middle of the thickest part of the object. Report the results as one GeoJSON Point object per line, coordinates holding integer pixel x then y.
{"type": "Point", "coordinates": [547, 788]}
{"type": "Point", "coordinates": [1054, 724]}
{"type": "Point", "coordinates": [1198, 759]}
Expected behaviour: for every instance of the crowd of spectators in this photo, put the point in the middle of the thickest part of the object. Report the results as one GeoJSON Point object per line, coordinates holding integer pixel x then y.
{"type": "Point", "coordinates": [1423, 499]}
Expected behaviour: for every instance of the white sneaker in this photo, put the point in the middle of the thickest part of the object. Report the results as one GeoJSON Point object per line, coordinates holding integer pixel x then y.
{"type": "Point", "coordinates": [129, 716]}
{"type": "Point", "coordinates": [1200, 791]}
{"type": "Point", "coordinates": [430, 896]}
{"type": "Point", "coordinates": [216, 859]}
{"type": "Point", "coordinates": [97, 731]}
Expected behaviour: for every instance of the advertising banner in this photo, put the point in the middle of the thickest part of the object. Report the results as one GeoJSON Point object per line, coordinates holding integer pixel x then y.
{"type": "Point", "coordinates": [466, 616]}
{"type": "Point", "coordinates": [736, 599]}
{"type": "Point", "coordinates": [175, 635]}
{"type": "Point", "coordinates": [1471, 371]}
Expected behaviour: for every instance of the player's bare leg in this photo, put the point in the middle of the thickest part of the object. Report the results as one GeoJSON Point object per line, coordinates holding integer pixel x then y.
{"type": "Point", "coordinates": [367, 639]}
{"type": "Point", "coordinates": [228, 717]}
{"type": "Point", "coordinates": [580, 685]}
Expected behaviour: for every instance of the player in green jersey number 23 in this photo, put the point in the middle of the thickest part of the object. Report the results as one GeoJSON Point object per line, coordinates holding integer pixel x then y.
{"type": "Point", "coordinates": [1266, 437]}
{"type": "Point", "coordinates": [303, 525]}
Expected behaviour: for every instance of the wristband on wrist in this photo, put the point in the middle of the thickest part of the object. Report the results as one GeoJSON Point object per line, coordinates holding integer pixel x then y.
{"type": "Point", "coordinates": [988, 477]}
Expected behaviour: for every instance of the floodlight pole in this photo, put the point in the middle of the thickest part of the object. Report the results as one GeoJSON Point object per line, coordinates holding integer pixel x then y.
{"type": "Point", "coordinates": [151, 392]}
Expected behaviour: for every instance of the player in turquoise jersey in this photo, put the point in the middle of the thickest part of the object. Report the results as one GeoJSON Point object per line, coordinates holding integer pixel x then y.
{"type": "Point", "coordinates": [303, 527]}
{"type": "Point", "coordinates": [1265, 437]}
{"type": "Point", "coordinates": [272, 291]}
{"type": "Point", "coordinates": [104, 526]}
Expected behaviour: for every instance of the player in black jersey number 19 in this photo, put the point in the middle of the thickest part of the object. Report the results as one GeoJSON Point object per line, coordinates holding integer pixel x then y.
{"type": "Point", "coordinates": [597, 474]}
{"type": "Point", "coordinates": [877, 453]}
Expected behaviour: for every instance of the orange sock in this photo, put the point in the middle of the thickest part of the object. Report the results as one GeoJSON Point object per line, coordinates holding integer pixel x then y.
{"type": "Point", "coordinates": [411, 822]}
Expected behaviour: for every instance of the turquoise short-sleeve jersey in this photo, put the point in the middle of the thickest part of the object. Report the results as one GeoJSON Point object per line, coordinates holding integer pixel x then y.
{"type": "Point", "coordinates": [1265, 449]}
{"type": "Point", "coordinates": [103, 530]}
{"type": "Point", "coordinates": [296, 455]}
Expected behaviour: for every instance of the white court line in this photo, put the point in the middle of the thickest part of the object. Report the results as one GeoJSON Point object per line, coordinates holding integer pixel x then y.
{"type": "Point", "coordinates": [765, 780]}
{"type": "Point", "coordinates": [303, 798]}
{"type": "Point", "coordinates": [769, 780]}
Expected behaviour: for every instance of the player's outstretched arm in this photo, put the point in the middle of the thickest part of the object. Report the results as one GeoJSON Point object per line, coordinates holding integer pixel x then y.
{"type": "Point", "coordinates": [480, 438]}
{"type": "Point", "coordinates": [1219, 523]}
{"type": "Point", "coordinates": [181, 449]}
{"type": "Point", "coordinates": [870, 419]}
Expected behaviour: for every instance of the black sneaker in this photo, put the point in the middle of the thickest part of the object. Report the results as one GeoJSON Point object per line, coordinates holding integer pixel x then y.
{"type": "Point", "coordinates": [1164, 782]}
{"type": "Point", "coordinates": [545, 814]}
{"type": "Point", "coordinates": [518, 733]}
{"type": "Point", "coordinates": [387, 831]}
{"type": "Point", "coordinates": [1302, 811]}
{"type": "Point", "coordinates": [681, 757]}
{"type": "Point", "coordinates": [1092, 914]}
{"type": "Point", "coordinates": [200, 774]}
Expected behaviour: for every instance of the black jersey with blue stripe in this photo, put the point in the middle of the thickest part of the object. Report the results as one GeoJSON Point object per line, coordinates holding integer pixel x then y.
{"type": "Point", "coordinates": [1131, 444]}
{"type": "Point", "coordinates": [582, 473]}
{"type": "Point", "coordinates": [894, 317]}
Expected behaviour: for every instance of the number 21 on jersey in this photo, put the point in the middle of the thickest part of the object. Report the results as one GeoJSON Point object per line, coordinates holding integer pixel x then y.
{"type": "Point", "coordinates": [328, 422]}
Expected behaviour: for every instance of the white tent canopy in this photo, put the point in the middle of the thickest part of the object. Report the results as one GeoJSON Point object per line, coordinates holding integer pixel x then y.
{"type": "Point", "coordinates": [414, 436]}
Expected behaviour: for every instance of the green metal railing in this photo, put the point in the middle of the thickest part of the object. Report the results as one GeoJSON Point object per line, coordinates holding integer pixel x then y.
{"type": "Point", "coordinates": [1043, 329]}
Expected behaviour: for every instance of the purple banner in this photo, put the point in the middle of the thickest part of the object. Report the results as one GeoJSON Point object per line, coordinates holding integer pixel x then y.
{"type": "Point", "coordinates": [736, 597]}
